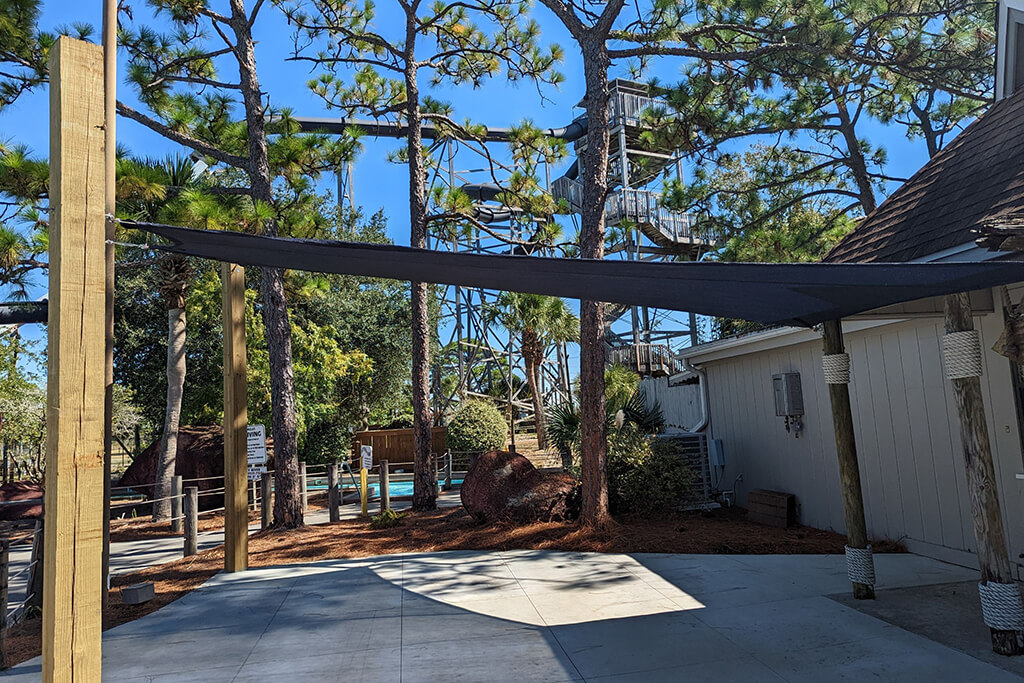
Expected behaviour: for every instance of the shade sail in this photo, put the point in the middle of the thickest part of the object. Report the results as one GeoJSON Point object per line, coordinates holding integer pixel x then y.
{"type": "Point", "coordinates": [792, 293]}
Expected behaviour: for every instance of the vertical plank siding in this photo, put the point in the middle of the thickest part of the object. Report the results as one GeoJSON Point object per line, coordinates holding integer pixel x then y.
{"type": "Point", "coordinates": [905, 423]}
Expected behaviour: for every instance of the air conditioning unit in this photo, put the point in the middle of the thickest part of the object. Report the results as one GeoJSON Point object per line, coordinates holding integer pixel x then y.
{"type": "Point", "coordinates": [789, 397]}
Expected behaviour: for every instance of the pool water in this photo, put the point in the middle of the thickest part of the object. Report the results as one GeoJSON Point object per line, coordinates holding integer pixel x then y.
{"type": "Point", "coordinates": [397, 489]}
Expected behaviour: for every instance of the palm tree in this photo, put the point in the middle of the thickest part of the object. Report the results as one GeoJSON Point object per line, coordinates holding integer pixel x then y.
{"type": "Point", "coordinates": [167, 191]}
{"type": "Point", "coordinates": [539, 321]}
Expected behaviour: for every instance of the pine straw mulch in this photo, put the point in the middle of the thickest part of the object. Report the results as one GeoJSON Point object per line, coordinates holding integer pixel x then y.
{"type": "Point", "coordinates": [723, 531]}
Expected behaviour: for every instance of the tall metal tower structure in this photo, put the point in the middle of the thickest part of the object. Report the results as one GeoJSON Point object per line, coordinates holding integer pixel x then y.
{"type": "Point", "coordinates": [476, 356]}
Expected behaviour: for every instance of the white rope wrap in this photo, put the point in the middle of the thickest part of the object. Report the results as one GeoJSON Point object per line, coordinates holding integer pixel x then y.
{"type": "Point", "coordinates": [1001, 606]}
{"type": "Point", "coordinates": [836, 367]}
{"type": "Point", "coordinates": [961, 352]}
{"type": "Point", "coordinates": [860, 565]}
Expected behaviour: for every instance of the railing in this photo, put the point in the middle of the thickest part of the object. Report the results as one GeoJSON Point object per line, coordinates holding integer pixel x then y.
{"type": "Point", "coordinates": [646, 359]}
{"type": "Point", "coordinates": [644, 206]}
{"type": "Point", "coordinates": [628, 108]}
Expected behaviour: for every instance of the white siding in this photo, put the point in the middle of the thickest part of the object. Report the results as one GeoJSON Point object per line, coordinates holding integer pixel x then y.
{"type": "Point", "coordinates": [680, 404]}
{"type": "Point", "coordinates": [906, 427]}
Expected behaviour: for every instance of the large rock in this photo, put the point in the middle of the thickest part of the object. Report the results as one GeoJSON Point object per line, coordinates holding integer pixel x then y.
{"type": "Point", "coordinates": [507, 487]}
{"type": "Point", "coordinates": [200, 456]}
{"type": "Point", "coordinates": [21, 490]}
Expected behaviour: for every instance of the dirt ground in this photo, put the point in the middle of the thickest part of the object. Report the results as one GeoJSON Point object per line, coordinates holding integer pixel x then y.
{"type": "Point", "coordinates": [724, 531]}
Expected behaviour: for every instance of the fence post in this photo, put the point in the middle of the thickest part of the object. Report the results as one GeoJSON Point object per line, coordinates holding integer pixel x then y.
{"type": "Point", "coordinates": [191, 520]}
{"type": "Point", "coordinates": [266, 499]}
{"type": "Point", "coordinates": [332, 492]}
{"type": "Point", "coordinates": [5, 547]}
{"type": "Point", "coordinates": [302, 487]}
{"type": "Point", "coordinates": [448, 471]}
{"type": "Point", "coordinates": [176, 504]}
{"type": "Point", "coordinates": [35, 574]}
{"type": "Point", "coordinates": [385, 493]}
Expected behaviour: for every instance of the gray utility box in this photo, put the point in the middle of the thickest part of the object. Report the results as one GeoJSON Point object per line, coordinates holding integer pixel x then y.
{"type": "Point", "coordinates": [789, 397]}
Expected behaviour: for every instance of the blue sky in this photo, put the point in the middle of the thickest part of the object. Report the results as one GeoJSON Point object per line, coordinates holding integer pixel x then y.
{"type": "Point", "coordinates": [378, 182]}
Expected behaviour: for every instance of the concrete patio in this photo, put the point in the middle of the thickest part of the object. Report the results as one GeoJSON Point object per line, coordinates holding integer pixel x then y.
{"type": "Point", "coordinates": [536, 616]}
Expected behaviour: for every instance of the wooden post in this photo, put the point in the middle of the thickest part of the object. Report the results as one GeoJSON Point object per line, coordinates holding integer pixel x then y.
{"type": "Point", "coordinates": [846, 449]}
{"type": "Point", "coordinates": [5, 557]}
{"type": "Point", "coordinates": [176, 524]}
{"type": "Point", "coordinates": [266, 499]}
{"type": "Point", "coordinates": [110, 208]}
{"type": "Point", "coordinates": [364, 492]}
{"type": "Point", "coordinates": [989, 533]}
{"type": "Point", "coordinates": [73, 561]}
{"type": "Point", "coordinates": [191, 545]}
{"type": "Point", "coordinates": [236, 420]}
{"type": "Point", "coordinates": [333, 493]}
{"type": "Point", "coordinates": [385, 493]}
{"type": "Point", "coordinates": [303, 487]}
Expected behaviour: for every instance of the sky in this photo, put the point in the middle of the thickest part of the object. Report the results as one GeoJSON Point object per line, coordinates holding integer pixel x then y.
{"type": "Point", "coordinates": [378, 183]}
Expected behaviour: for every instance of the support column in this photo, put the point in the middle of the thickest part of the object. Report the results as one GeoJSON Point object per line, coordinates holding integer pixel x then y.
{"type": "Point", "coordinates": [73, 533]}
{"type": "Point", "coordinates": [236, 420]}
{"type": "Point", "coordinates": [860, 565]}
{"type": "Point", "coordinates": [1000, 596]}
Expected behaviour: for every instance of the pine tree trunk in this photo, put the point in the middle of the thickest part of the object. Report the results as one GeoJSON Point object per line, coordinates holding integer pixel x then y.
{"type": "Point", "coordinates": [172, 412]}
{"type": "Point", "coordinates": [287, 499]}
{"type": "Point", "coordinates": [592, 330]}
{"type": "Point", "coordinates": [424, 484]}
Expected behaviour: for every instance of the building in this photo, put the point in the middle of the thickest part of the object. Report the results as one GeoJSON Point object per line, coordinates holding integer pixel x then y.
{"type": "Point", "coordinates": [905, 417]}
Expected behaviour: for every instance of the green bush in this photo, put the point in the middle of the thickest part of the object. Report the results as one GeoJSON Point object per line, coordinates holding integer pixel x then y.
{"type": "Point", "coordinates": [476, 427]}
{"type": "Point", "coordinates": [644, 475]}
{"type": "Point", "coordinates": [387, 520]}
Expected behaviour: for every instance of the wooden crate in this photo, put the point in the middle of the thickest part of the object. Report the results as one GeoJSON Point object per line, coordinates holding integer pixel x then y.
{"type": "Point", "coordinates": [772, 508]}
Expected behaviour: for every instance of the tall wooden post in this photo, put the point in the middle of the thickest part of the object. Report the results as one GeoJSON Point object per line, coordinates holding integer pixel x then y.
{"type": "Point", "coordinates": [858, 551]}
{"type": "Point", "coordinates": [73, 557]}
{"type": "Point", "coordinates": [385, 493]}
{"type": "Point", "coordinates": [191, 504]}
{"type": "Point", "coordinates": [1000, 597]}
{"type": "Point", "coordinates": [333, 494]}
{"type": "Point", "coordinates": [110, 208]}
{"type": "Point", "coordinates": [236, 420]}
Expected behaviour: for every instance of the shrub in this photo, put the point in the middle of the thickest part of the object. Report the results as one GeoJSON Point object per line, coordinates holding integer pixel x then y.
{"type": "Point", "coordinates": [476, 427]}
{"type": "Point", "coordinates": [388, 519]}
{"type": "Point", "coordinates": [644, 475]}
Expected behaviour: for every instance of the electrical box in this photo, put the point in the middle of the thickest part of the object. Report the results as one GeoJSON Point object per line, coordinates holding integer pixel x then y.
{"type": "Point", "coordinates": [716, 453]}
{"type": "Point", "coordinates": [789, 397]}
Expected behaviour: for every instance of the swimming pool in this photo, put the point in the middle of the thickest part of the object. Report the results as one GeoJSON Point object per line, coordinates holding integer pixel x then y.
{"type": "Point", "coordinates": [397, 489]}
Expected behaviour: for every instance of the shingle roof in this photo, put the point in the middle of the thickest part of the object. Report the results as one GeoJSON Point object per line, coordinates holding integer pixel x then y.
{"type": "Point", "coordinates": [977, 178]}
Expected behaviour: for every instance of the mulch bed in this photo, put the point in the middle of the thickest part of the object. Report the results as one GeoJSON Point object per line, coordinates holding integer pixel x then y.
{"type": "Point", "coordinates": [724, 531]}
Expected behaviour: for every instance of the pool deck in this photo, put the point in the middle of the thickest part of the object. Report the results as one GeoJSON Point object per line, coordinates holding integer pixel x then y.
{"type": "Point", "coordinates": [536, 616]}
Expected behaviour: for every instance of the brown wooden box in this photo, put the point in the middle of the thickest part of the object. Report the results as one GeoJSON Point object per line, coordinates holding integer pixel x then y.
{"type": "Point", "coordinates": [772, 508]}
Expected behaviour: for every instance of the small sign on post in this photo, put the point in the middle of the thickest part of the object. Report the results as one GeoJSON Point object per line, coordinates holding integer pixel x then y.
{"type": "Point", "coordinates": [366, 456]}
{"type": "Point", "coordinates": [256, 451]}
{"type": "Point", "coordinates": [366, 453]}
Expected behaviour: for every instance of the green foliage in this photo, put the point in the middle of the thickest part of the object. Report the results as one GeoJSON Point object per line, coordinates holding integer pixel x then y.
{"type": "Point", "coordinates": [644, 477]}
{"type": "Point", "coordinates": [388, 519]}
{"type": "Point", "coordinates": [564, 430]}
{"type": "Point", "coordinates": [477, 426]}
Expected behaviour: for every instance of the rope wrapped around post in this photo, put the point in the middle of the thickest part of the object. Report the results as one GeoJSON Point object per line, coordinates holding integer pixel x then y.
{"type": "Point", "coordinates": [860, 565]}
{"type": "Point", "coordinates": [961, 354]}
{"type": "Point", "coordinates": [836, 367]}
{"type": "Point", "coordinates": [1001, 606]}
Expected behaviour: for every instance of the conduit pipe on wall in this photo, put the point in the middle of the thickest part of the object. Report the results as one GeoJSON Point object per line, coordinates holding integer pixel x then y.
{"type": "Point", "coordinates": [702, 381]}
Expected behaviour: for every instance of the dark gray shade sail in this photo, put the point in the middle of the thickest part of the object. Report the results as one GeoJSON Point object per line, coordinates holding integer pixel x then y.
{"type": "Point", "coordinates": [777, 293]}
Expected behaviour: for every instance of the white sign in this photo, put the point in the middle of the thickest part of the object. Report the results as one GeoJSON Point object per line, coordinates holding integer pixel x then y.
{"type": "Point", "coordinates": [367, 456]}
{"type": "Point", "coordinates": [256, 472]}
{"type": "Point", "coordinates": [256, 445]}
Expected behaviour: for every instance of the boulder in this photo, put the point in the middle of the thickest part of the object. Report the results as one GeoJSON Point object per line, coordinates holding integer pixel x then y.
{"type": "Point", "coordinates": [502, 486]}
{"type": "Point", "coordinates": [200, 456]}
{"type": "Point", "coordinates": [21, 490]}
